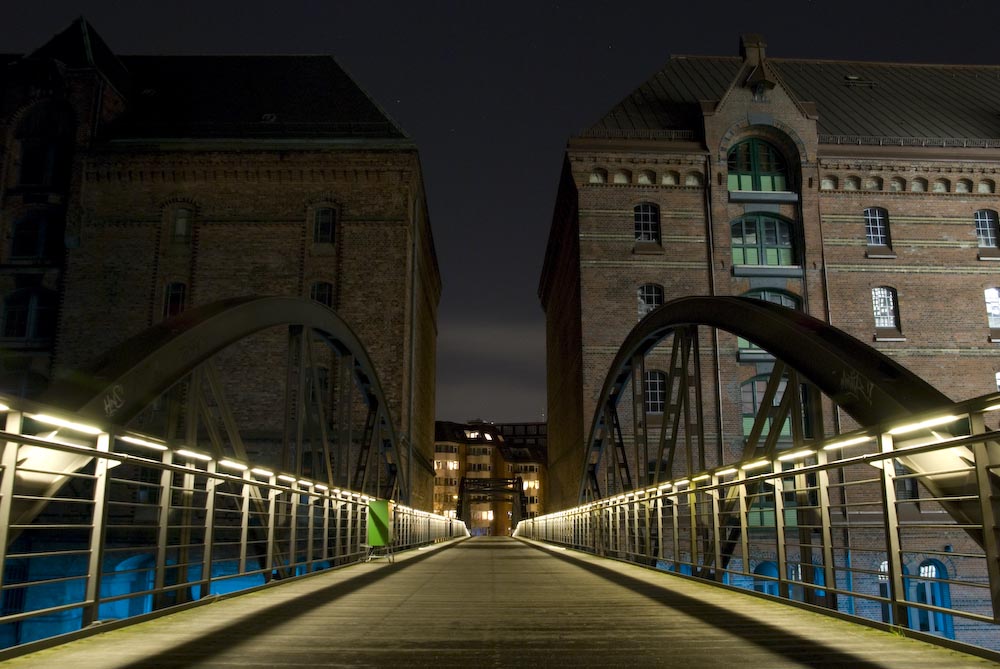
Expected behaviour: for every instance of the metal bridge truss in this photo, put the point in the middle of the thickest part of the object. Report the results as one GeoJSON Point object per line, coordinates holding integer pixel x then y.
{"type": "Point", "coordinates": [130, 489]}
{"type": "Point", "coordinates": [872, 522]}
{"type": "Point", "coordinates": [474, 490]}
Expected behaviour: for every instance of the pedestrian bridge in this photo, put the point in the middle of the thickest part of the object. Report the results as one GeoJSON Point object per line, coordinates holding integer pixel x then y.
{"type": "Point", "coordinates": [495, 601]}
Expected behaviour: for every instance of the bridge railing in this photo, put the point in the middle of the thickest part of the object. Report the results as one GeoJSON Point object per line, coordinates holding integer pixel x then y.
{"type": "Point", "coordinates": [847, 524]}
{"type": "Point", "coordinates": [99, 524]}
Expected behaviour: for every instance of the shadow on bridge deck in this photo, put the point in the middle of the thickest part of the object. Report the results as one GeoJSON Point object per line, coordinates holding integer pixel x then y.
{"type": "Point", "coordinates": [495, 602]}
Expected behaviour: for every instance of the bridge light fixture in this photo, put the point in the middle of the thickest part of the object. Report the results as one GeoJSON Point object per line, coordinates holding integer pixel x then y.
{"type": "Point", "coordinates": [193, 455]}
{"type": "Point", "coordinates": [930, 422]}
{"type": "Point", "coordinates": [59, 422]}
{"type": "Point", "coordinates": [337, 491]}
{"type": "Point", "coordinates": [665, 486]}
{"type": "Point", "coordinates": [650, 491]}
{"type": "Point", "coordinates": [848, 442]}
{"type": "Point", "coordinates": [681, 482]}
{"type": "Point", "coordinates": [755, 465]}
{"type": "Point", "coordinates": [232, 464]}
{"type": "Point", "coordinates": [992, 407]}
{"type": "Point", "coordinates": [262, 472]}
{"type": "Point", "coordinates": [700, 477]}
{"type": "Point", "coordinates": [320, 486]}
{"type": "Point", "coordinates": [4, 407]}
{"type": "Point", "coordinates": [796, 455]}
{"type": "Point", "coordinates": [286, 478]}
{"type": "Point", "coordinates": [307, 484]}
{"type": "Point", "coordinates": [726, 472]}
{"type": "Point", "coordinates": [143, 442]}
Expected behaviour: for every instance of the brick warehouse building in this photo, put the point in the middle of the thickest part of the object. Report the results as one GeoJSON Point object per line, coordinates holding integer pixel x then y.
{"type": "Point", "coordinates": [861, 193]}
{"type": "Point", "coordinates": [134, 187]}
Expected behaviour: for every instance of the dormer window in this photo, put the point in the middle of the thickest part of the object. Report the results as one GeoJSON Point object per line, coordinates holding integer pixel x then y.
{"type": "Point", "coordinates": [755, 165]}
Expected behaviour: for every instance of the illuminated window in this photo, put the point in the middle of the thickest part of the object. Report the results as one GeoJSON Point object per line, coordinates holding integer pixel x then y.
{"type": "Point", "coordinates": [656, 391]}
{"type": "Point", "coordinates": [897, 184]}
{"type": "Point", "coordinates": [828, 183]}
{"type": "Point", "coordinates": [322, 292]}
{"type": "Point", "coordinates": [918, 185]}
{"type": "Point", "coordinates": [755, 165]}
{"type": "Point", "coordinates": [599, 176]}
{"type": "Point", "coordinates": [993, 310]}
{"type": "Point", "coordinates": [174, 298]}
{"type": "Point", "coordinates": [647, 222]}
{"type": "Point", "coordinates": [885, 310]}
{"type": "Point", "coordinates": [762, 239]}
{"type": "Point", "coordinates": [453, 464]}
{"type": "Point", "coordinates": [324, 225]}
{"type": "Point", "coordinates": [877, 226]}
{"type": "Point", "coordinates": [650, 297]}
{"type": "Point", "coordinates": [751, 396]}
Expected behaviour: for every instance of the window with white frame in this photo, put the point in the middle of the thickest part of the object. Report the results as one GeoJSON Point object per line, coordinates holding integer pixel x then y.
{"type": "Point", "coordinates": [322, 292]}
{"type": "Point", "coordinates": [986, 228]}
{"type": "Point", "coordinates": [647, 222]}
{"type": "Point", "coordinates": [877, 227]}
{"type": "Point", "coordinates": [993, 310]}
{"type": "Point", "coordinates": [655, 383]}
{"type": "Point", "coordinates": [650, 297]}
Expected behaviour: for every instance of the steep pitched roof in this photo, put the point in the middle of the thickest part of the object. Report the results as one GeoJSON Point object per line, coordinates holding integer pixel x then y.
{"type": "Point", "coordinates": [858, 102]}
{"type": "Point", "coordinates": [79, 46]}
{"type": "Point", "coordinates": [248, 96]}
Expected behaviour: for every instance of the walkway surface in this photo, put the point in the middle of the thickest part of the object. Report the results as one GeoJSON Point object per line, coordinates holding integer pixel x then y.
{"type": "Point", "coordinates": [496, 602]}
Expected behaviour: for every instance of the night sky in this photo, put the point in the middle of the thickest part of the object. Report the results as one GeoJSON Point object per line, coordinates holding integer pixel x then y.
{"type": "Point", "coordinates": [491, 92]}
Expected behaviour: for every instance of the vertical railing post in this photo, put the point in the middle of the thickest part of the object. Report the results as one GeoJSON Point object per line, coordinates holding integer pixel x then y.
{"type": "Point", "coordinates": [92, 596]}
{"type": "Point", "coordinates": [744, 507]}
{"type": "Point", "coordinates": [163, 531]}
{"type": "Point", "coordinates": [272, 525]}
{"type": "Point", "coordinates": [675, 499]}
{"type": "Point", "coordinates": [326, 524]}
{"type": "Point", "coordinates": [897, 594]}
{"type": "Point", "coordinates": [244, 520]}
{"type": "Point", "coordinates": [826, 525]}
{"type": "Point", "coordinates": [310, 530]}
{"type": "Point", "coordinates": [714, 494]}
{"type": "Point", "coordinates": [779, 532]}
{"type": "Point", "coordinates": [208, 542]}
{"type": "Point", "coordinates": [9, 462]}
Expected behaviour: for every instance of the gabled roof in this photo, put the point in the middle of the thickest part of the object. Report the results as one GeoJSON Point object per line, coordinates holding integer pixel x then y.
{"type": "Point", "coordinates": [248, 96]}
{"type": "Point", "coordinates": [857, 102]}
{"type": "Point", "coordinates": [79, 46]}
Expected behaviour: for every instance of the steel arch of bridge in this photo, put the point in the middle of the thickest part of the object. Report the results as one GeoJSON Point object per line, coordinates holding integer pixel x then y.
{"type": "Point", "coordinates": [866, 384]}
{"type": "Point", "coordinates": [129, 377]}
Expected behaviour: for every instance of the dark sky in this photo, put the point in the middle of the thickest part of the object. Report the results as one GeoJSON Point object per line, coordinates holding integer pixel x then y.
{"type": "Point", "coordinates": [491, 91]}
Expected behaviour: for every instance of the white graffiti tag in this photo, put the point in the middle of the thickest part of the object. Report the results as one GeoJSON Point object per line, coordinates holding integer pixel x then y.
{"type": "Point", "coordinates": [114, 400]}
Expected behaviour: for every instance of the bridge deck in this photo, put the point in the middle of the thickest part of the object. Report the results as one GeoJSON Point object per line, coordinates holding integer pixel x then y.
{"type": "Point", "coordinates": [495, 602]}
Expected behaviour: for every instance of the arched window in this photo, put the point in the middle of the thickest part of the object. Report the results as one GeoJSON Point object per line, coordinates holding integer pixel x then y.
{"type": "Point", "coordinates": [756, 165]}
{"type": "Point", "coordinates": [623, 177]}
{"type": "Point", "coordinates": [30, 313]}
{"type": "Point", "coordinates": [768, 583]}
{"type": "Point", "coordinates": [986, 228]}
{"type": "Point", "coordinates": [942, 186]}
{"type": "Point", "coordinates": [873, 183]}
{"type": "Point", "coordinates": [918, 185]}
{"type": "Point", "coordinates": [692, 179]}
{"type": "Point", "coordinates": [992, 296]}
{"type": "Point", "coordinates": [656, 391]}
{"type": "Point", "coordinates": [751, 397]}
{"type": "Point", "coordinates": [963, 186]}
{"type": "Point", "coordinates": [828, 183]}
{"type": "Point", "coordinates": [897, 184]}
{"type": "Point", "coordinates": [174, 299]}
{"type": "Point", "coordinates": [670, 179]}
{"type": "Point", "coordinates": [650, 297]}
{"type": "Point", "coordinates": [885, 309]}
{"type": "Point", "coordinates": [774, 296]}
{"type": "Point", "coordinates": [762, 239]}
{"type": "Point", "coordinates": [852, 183]}
{"type": "Point", "coordinates": [647, 222]}
{"type": "Point", "coordinates": [324, 225]}
{"type": "Point", "coordinates": [985, 186]}
{"type": "Point", "coordinates": [599, 176]}
{"type": "Point", "coordinates": [180, 228]}
{"type": "Point", "coordinates": [877, 227]}
{"type": "Point", "coordinates": [322, 292]}
{"type": "Point", "coordinates": [45, 137]}
{"type": "Point", "coordinates": [932, 588]}
{"type": "Point", "coordinates": [647, 178]}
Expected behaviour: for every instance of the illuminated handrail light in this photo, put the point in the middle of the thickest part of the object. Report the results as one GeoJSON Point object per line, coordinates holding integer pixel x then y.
{"type": "Point", "coordinates": [650, 491]}
{"type": "Point", "coordinates": [755, 465]}
{"type": "Point", "coordinates": [4, 407]}
{"type": "Point", "coordinates": [195, 456]}
{"type": "Point", "coordinates": [59, 422]}
{"type": "Point", "coordinates": [143, 442]}
{"type": "Point", "coordinates": [665, 486]}
{"type": "Point", "coordinates": [286, 478]}
{"type": "Point", "coordinates": [320, 486]}
{"type": "Point", "coordinates": [930, 422]}
{"type": "Point", "coordinates": [231, 464]}
{"type": "Point", "coordinates": [305, 483]}
{"type": "Point", "coordinates": [681, 482]}
{"type": "Point", "coordinates": [796, 455]}
{"type": "Point", "coordinates": [729, 471]}
{"type": "Point", "coordinates": [259, 471]}
{"type": "Point", "coordinates": [700, 477]}
{"type": "Point", "coordinates": [848, 442]}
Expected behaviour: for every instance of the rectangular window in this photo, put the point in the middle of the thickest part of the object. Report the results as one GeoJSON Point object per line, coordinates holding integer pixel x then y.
{"type": "Point", "coordinates": [323, 226]}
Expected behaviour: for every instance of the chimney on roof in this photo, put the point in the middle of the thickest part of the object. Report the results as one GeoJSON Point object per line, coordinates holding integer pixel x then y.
{"type": "Point", "coordinates": [752, 47]}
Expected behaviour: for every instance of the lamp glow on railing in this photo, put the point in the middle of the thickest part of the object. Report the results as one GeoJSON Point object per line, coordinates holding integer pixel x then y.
{"type": "Point", "coordinates": [681, 482]}
{"type": "Point", "coordinates": [700, 477]}
{"type": "Point", "coordinates": [193, 455]}
{"type": "Point", "coordinates": [68, 424]}
{"type": "Point", "coordinates": [320, 486]}
{"type": "Point", "coordinates": [729, 471]}
{"type": "Point", "coordinates": [262, 472]}
{"type": "Point", "coordinates": [930, 422]}
{"type": "Point", "coordinates": [759, 464]}
{"type": "Point", "coordinates": [143, 442]}
{"type": "Point", "coordinates": [4, 407]}
{"type": "Point", "coordinates": [796, 455]}
{"type": "Point", "coordinates": [231, 464]}
{"type": "Point", "coordinates": [848, 442]}
{"type": "Point", "coordinates": [286, 478]}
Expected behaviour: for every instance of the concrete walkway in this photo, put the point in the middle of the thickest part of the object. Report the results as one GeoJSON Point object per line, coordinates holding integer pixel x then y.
{"type": "Point", "coordinates": [496, 602]}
